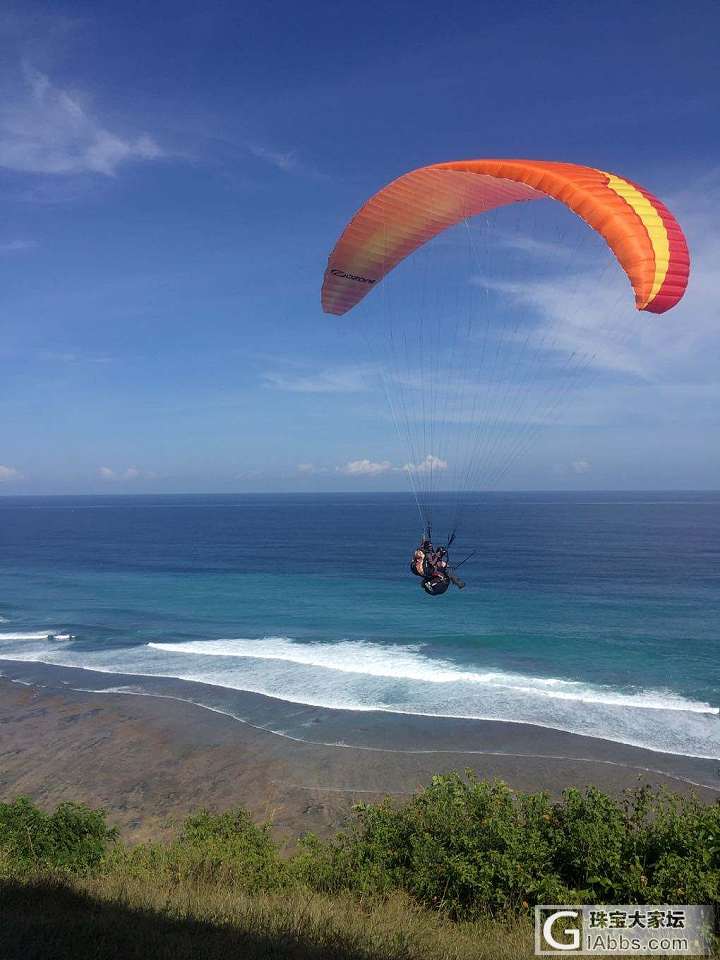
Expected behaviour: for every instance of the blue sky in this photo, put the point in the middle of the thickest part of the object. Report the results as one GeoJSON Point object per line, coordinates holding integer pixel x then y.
{"type": "Point", "coordinates": [174, 175]}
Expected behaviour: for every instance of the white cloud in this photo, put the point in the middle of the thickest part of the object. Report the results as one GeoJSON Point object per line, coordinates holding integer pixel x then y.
{"type": "Point", "coordinates": [129, 474]}
{"type": "Point", "coordinates": [575, 321]}
{"type": "Point", "coordinates": [310, 468]}
{"type": "Point", "coordinates": [430, 464]}
{"type": "Point", "coordinates": [45, 129]}
{"type": "Point", "coordinates": [365, 468]}
{"type": "Point", "coordinates": [17, 246]}
{"type": "Point", "coordinates": [9, 473]}
{"type": "Point", "coordinates": [374, 468]}
{"type": "Point", "coordinates": [581, 466]}
{"type": "Point", "coordinates": [340, 380]}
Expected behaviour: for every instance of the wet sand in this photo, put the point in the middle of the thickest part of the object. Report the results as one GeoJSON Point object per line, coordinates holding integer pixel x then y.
{"type": "Point", "coordinates": [151, 759]}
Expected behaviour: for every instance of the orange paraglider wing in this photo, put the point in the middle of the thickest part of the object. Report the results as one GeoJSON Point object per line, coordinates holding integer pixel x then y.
{"type": "Point", "coordinates": [641, 232]}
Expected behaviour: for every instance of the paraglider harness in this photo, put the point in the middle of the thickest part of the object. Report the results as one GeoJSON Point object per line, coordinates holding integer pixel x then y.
{"type": "Point", "coordinates": [433, 566]}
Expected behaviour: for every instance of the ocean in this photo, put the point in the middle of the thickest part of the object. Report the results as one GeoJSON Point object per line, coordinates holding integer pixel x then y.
{"type": "Point", "coordinates": [593, 613]}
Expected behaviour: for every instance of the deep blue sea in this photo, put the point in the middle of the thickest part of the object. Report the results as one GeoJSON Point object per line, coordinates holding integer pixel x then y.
{"type": "Point", "coordinates": [594, 613]}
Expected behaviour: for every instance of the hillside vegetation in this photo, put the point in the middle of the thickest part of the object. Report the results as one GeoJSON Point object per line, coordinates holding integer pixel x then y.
{"type": "Point", "coordinates": [453, 873]}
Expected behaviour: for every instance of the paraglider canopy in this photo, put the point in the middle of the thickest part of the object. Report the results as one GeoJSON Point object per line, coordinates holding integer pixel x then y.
{"type": "Point", "coordinates": [639, 229]}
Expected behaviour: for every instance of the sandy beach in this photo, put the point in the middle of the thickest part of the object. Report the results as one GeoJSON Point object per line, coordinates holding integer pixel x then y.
{"type": "Point", "coordinates": [151, 759]}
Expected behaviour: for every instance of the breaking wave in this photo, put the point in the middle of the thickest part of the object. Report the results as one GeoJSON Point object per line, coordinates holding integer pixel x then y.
{"type": "Point", "coordinates": [400, 678]}
{"type": "Point", "coordinates": [407, 662]}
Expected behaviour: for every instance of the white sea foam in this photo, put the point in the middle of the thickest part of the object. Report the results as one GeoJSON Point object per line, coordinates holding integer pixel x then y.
{"type": "Point", "coordinates": [25, 636]}
{"type": "Point", "coordinates": [407, 662]}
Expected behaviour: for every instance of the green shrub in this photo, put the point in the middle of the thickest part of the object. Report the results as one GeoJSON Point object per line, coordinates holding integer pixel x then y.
{"type": "Point", "coordinates": [73, 838]}
{"type": "Point", "coordinates": [472, 847]}
{"type": "Point", "coordinates": [462, 845]}
{"type": "Point", "coordinates": [227, 847]}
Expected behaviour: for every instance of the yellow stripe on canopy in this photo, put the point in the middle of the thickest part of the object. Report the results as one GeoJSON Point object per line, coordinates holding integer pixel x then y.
{"type": "Point", "coordinates": [653, 223]}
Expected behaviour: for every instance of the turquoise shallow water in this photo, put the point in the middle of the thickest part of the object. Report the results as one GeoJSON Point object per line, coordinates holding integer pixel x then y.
{"type": "Point", "coordinates": [594, 613]}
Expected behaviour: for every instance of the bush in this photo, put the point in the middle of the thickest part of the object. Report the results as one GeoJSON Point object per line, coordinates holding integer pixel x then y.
{"type": "Point", "coordinates": [463, 846]}
{"type": "Point", "coordinates": [471, 847]}
{"type": "Point", "coordinates": [227, 849]}
{"type": "Point", "coordinates": [231, 847]}
{"type": "Point", "coordinates": [74, 838]}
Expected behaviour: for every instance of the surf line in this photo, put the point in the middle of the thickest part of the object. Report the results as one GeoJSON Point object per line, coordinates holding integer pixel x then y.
{"type": "Point", "coordinates": [410, 750]}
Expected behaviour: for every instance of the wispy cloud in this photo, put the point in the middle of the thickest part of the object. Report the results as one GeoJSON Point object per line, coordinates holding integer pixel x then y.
{"type": "Point", "coordinates": [129, 474]}
{"type": "Point", "coordinates": [339, 380]}
{"type": "Point", "coordinates": [17, 246]}
{"type": "Point", "coordinates": [9, 473]}
{"type": "Point", "coordinates": [545, 249]}
{"type": "Point", "coordinates": [590, 324]}
{"type": "Point", "coordinates": [77, 357]}
{"type": "Point", "coordinates": [286, 161]}
{"type": "Point", "coordinates": [45, 129]}
{"type": "Point", "coordinates": [253, 474]}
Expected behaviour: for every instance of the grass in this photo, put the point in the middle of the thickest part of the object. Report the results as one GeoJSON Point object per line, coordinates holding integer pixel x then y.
{"type": "Point", "coordinates": [113, 918]}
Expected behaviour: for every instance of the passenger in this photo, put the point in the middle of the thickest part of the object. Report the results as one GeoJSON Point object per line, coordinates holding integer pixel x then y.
{"type": "Point", "coordinates": [420, 560]}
